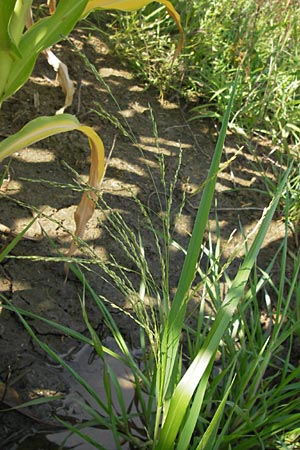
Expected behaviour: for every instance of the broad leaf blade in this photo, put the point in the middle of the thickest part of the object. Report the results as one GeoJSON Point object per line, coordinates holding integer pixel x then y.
{"type": "Point", "coordinates": [6, 10]}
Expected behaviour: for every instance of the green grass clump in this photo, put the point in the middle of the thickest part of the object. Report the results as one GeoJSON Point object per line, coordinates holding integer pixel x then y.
{"type": "Point", "coordinates": [260, 38]}
{"type": "Point", "coordinates": [214, 378]}
{"type": "Point", "coordinates": [205, 379]}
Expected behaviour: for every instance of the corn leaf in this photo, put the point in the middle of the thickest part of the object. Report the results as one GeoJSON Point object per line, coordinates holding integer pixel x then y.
{"type": "Point", "coordinates": [43, 34]}
{"type": "Point", "coordinates": [40, 36]}
{"type": "Point", "coordinates": [6, 10]}
{"type": "Point", "coordinates": [43, 127]}
{"type": "Point", "coordinates": [122, 5]}
{"type": "Point", "coordinates": [8, 49]}
{"type": "Point", "coordinates": [18, 19]}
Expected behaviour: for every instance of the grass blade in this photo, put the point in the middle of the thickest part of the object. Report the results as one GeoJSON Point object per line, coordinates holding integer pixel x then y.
{"type": "Point", "coordinates": [187, 385]}
{"type": "Point", "coordinates": [210, 434]}
{"type": "Point", "coordinates": [15, 240]}
{"type": "Point", "coordinates": [172, 331]}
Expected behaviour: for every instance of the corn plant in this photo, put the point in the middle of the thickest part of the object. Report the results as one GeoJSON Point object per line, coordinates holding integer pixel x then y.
{"type": "Point", "coordinates": [19, 49]}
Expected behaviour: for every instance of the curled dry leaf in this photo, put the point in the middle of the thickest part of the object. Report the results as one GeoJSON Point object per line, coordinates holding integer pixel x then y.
{"type": "Point", "coordinates": [60, 68]}
{"type": "Point", "coordinates": [62, 77]}
{"type": "Point", "coordinates": [86, 207]}
{"type": "Point", "coordinates": [43, 127]}
{"type": "Point", "coordinates": [51, 5]}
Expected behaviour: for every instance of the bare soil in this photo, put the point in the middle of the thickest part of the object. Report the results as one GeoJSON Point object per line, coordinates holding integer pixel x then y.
{"type": "Point", "coordinates": [41, 179]}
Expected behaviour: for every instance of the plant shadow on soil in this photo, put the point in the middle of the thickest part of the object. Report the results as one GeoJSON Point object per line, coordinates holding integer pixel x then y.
{"type": "Point", "coordinates": [40, 179]}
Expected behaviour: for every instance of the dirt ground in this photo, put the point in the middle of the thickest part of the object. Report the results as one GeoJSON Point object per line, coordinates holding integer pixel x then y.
{"type": "Point", "coordinates": [41, 178]}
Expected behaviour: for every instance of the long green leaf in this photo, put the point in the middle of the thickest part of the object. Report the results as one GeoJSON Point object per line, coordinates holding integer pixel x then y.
{"type": "Point", "coordinates": [187, 385]}
{"type": "Point", "coordinates": [8, 49]}
{"type": "Point", "coordinates": [61, 328]}
{"type": "Point", "coordinates": [18, 20]}
{"type": "Point", "coordinates": [172, 331]}
{"type": "Point", "coordinates": [193, 415]}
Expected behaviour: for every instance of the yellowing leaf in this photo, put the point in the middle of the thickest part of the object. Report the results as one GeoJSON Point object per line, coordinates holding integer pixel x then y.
{"type": "Point", "coordinates": [174, 14]}
{"type": "Point", "coordinates": [43, 127]}
{"type": "Point", "coordinates": [86, 207]}
{"type": "Point", "coordinates": [132, 5]}
{"type": "Point", "coordinates": [123, 5]}
{"type": "Point", "coordinates": [51, 5]}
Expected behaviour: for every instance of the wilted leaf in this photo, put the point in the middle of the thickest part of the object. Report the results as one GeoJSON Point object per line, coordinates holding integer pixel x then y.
{"type": "Point", "coordinates": [63, 78]}
{"type": "Point", "coordinates": [60, 68]}
{"type": "Point", "coordinates": [51, 5]}
{"type": "Point", "coordinates": [43, 127]}
{"type": "Point", "coordinates": [86, 207]}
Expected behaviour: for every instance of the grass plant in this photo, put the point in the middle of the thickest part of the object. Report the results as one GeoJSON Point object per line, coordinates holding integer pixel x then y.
{"type": "Point", "coordinates": [260, 38]}
{"type": "Point", "coordinates": [223, 380]}
{"type": "Point", "coordinates": [257, 38]}
{"type": "Point", "coordinates": [227, 380]}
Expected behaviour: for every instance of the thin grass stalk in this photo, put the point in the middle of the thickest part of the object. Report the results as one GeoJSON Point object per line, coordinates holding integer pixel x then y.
{"type": "Point", "coordinates": [16, 240]}
{"type": "Point", "coordinates": [85, 437]}
{"type": "Point", "coordinates": [63, 329]}
{"type": "Point", "coordinates": [139, 377]}
{"type": "Point", "coordinates": [106, 379]}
